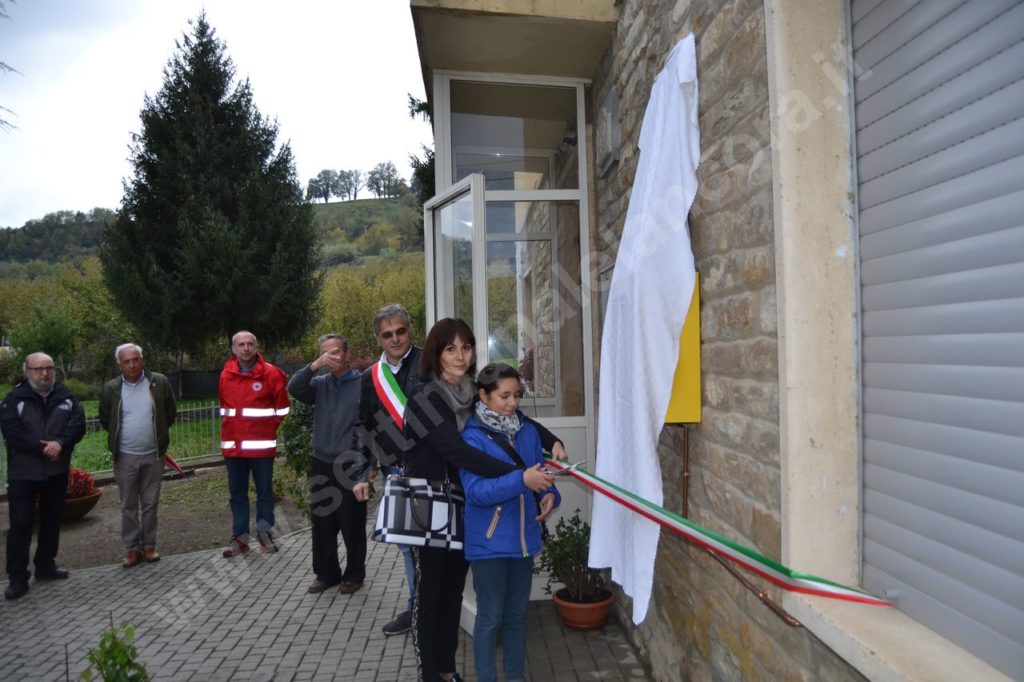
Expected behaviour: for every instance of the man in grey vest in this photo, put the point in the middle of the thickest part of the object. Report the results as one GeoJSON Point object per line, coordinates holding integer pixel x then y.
{"type": "Point", "coordinates": [137, 409]}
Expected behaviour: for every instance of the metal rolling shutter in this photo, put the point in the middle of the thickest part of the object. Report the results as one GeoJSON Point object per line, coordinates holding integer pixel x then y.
{"type": "Point", "coordinates": [940, 154]}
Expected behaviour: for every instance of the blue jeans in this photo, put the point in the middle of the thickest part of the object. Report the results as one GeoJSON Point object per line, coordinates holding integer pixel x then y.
{"type": "Point", "coordinates": [410, 574]}
{"type": "Point", "coordinates": [262, 469]}
{"type": "Point", "coordinates": [502, 596]}
{"type": "Point", "coordinates": [406, 550]}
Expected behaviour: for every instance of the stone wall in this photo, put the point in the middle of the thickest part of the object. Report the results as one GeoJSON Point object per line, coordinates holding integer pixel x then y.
{"type": "Point", "coordinates": [702, 623]}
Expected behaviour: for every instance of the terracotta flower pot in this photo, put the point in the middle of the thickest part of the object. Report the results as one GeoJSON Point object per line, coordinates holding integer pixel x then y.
{"type": "Point", "coordinates": [76, 508]}
{"type": "Point", "coordinates": [582, 615]}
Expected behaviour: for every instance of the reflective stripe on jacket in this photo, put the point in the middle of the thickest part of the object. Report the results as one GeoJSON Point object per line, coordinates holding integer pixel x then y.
{"type": "Point", "coordinates": [252, 406]}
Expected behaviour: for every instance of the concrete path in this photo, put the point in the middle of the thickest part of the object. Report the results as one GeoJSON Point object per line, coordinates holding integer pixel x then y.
{"type": "Point", "coordinates": [202, 617]}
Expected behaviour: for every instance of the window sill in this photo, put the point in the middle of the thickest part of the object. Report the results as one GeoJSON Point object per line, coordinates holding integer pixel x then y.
{"type": "Point", "coordinates": [884, 644]}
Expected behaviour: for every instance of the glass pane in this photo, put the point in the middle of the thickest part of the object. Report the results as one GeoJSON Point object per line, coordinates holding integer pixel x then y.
{"type": "Point", "coordinates": [453, 254]}
{"type": "Point", "coordinates": [534, 306]}
{"type": "Point", "coordinates": [521, 137]}
{"type": "Point", "coordinates": [526, 218]}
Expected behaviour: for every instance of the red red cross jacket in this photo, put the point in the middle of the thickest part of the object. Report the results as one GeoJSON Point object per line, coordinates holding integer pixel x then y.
{"type": "Point", "coordinates": [252, 405]}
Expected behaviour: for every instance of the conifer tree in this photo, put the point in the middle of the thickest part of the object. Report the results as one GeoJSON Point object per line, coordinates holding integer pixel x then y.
{"type": "Point", "coordinates": [213, 234]}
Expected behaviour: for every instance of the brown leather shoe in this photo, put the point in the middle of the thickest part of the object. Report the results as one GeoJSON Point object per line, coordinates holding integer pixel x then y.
{"type": "Point", "coordinates": [150, 554]}
{"type": "Point", "coordinates": [132, 558]}
{"type": "Point", "coordinates": [319, 586]}
{"type": "Point", "coordinates": [350, 586]}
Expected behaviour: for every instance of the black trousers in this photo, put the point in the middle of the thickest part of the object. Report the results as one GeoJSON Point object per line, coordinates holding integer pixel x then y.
{"type": "Point", "coordinates": [334, 509]}
{"type": "Point", "coordinates": [440, 579]}
{"type": "Point", "coordinates": [21, 502]}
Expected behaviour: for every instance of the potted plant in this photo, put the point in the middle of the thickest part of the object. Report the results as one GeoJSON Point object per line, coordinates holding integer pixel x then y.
{"type": "Point", "coordinates": [583, 602]}
{"type": "Point", "coordinates": [82, 495]}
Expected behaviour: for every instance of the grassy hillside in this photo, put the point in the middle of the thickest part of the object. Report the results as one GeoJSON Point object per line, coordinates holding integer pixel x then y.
{"type": "Point", "coordinates": [357, 215]}
{"type": "Point", "coordinates": [349, 230]}
{"type": "Point", "coordinates": [368, 227]}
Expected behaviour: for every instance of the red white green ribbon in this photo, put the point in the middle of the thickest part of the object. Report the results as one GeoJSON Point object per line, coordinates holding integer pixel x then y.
{"type": "Point", "coordinates": [772, 571]}
{"type": "Point", "coordinates": [389, 392]}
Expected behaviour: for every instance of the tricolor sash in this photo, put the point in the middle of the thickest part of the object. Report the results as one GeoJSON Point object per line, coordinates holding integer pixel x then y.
{"type": "Point", "coordinates": [389, 392]}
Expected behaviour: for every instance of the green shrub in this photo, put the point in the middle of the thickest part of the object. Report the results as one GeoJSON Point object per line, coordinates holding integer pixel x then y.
{"type": "Point", "coordinates": [10, 369]}
{"type": "Point", "coordinates": [292, 485]}
{"type": "Point", "coordinates": [297, 434]}
{"type": "Point", "coordinates": [115, 657]}
{"type": "Point", "coordinates": [82, 390]}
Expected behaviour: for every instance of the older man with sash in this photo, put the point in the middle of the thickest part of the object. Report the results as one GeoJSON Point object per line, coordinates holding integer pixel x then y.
{"type": "Point", "coordinates": [382, 407]}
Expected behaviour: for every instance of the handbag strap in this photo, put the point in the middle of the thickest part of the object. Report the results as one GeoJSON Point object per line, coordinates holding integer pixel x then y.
{"type": "Point", "coordinates": [446, 488]}
{"type": "Point", "coordinates": [507, 447]}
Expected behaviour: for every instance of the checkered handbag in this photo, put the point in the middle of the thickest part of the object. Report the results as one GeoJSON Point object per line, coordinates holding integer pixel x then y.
{"type": "Point", "coordinates": [422, 513]}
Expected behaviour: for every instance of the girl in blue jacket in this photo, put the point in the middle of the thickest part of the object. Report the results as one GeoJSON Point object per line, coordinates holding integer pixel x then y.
{"type": "Point", "coordinates": [502, 521]}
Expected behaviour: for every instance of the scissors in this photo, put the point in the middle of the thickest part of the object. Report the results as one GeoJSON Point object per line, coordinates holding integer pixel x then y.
{"type": "Point", "coordinates": [568, 468]}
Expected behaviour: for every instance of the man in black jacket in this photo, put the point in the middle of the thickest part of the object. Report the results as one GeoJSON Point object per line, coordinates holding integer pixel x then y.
{"type": "Point", "coordinates": [379, 411]}
{"type": "Point", "coordinates": [41, 422]}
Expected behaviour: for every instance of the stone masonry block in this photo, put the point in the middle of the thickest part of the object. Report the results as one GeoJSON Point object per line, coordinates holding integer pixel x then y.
{"type": "Point", "coordinates": [734, 317]}
{"type": "Point", "coordinates": [758, 267]}
{"type": "Point", "coordinates": [768, 312]}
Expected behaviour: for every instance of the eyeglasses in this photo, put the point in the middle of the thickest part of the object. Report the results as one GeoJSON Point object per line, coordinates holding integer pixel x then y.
{"type": "Point", "coordinates": [48, 368]}
{"type": "Point", "coordinates": [401, 331]}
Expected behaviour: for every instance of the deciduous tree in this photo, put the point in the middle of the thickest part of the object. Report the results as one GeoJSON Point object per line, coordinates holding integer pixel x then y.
{"type": "Point", "coordinates": [323, 185]}
{"type": "Point", "coordinates": [392, 279]}
{"type": "Point", "coordinates": [349, 183]}
{"type": "Point", "coordinates": [314, 190]}
{"type": "Point", "coordinates": [384, 180]}
{"type": "Point", "coordinates": [52, 330]}
{"type": "Point", "coordinates": [213, 235]}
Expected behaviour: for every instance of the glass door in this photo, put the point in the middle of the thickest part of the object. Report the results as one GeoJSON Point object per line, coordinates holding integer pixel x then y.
{"type": "Point", "coordinates": [449, 220]}
{"type": "Point", "coordinates": [507, 242]}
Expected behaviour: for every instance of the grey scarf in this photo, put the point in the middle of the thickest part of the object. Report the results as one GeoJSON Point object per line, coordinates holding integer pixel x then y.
{"type": "Point", "coordinates": [459, 398]}
{"type": "Point", "coordinates": [496, 422]}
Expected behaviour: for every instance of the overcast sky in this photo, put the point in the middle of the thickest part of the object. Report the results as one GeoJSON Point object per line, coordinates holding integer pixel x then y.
{"type": "Point", "coordinates": [334, 73]}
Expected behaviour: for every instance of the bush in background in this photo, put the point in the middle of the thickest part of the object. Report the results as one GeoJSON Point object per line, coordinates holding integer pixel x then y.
{"type": "Point", "coordinates": [82, 390]}
{"type": "Point", "coordinates": [297, 434]}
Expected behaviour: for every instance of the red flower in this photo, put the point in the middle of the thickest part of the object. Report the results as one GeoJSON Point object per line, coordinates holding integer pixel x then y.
{"type": "Point", "coordinates": [80, 483]}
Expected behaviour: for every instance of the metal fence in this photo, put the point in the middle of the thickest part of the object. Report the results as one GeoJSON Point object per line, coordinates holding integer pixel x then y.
{"type": "Point", "coordinates": [195, 438]}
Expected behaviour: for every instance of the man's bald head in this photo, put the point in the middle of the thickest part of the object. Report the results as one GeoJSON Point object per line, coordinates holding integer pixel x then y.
{"type": "Point", "coordinates": [244, 347]}
{"type": "Point", "coordinates": [39, 371]}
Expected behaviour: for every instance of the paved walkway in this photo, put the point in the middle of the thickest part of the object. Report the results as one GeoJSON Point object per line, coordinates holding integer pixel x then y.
{"type": "Point", "coordinates": [202, 617]}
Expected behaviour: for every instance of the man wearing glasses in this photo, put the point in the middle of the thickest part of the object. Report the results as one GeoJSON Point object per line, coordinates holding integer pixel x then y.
{"type": "Point", "coordinates": [41, 422]}
{"type": "Point", "coordinates": [382, 404]}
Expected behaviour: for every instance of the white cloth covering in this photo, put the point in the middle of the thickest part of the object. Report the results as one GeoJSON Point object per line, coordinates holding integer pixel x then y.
{"type": "Point", "coordinates": [651, 288]}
